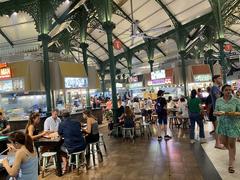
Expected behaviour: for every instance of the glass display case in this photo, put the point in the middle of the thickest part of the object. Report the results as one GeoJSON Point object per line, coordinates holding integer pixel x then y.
{"type": "Point", "coordinates": [18, 106]}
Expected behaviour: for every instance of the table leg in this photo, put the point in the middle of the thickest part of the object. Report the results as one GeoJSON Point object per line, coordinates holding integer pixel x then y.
{"type": "Point", "coordinates": [58, 163]}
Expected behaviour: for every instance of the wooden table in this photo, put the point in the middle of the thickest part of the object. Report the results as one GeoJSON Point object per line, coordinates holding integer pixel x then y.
{"type": "Point", "coordinates": [54, 144]}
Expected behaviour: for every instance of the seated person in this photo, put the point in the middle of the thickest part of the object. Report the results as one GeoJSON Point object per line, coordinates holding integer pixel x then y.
{"type": "Point", "coordinates": [26, 161]}
{"type": "Point", "coordinates": [4, 125]}
{"type": "Point", "coordinates": [92, 133]}
{"type": "Point", "coordinates": [32, 125]}
{"type": "Point", "coordinates": [183, 110]}
{"type": "Point", "coordinates": [51, 123]}
{"type": "Point", "coordinates": [128, 118]}
{"type": "Point", "coordinates": [73, 139]}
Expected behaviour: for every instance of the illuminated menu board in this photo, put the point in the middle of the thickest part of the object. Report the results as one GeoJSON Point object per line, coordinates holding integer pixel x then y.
{"type": "Point", "coordinates": [160, 74]}
{"type": "Point", "coordinates": [11, 85]}
{"type": "Point", "coordinates": [75, 82]}
{"type": "Point", "coordinates": [202, 77]}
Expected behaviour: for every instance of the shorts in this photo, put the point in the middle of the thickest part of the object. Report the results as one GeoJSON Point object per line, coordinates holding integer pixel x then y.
{"type": "Point", "coordinates": [64, 149]}
{"type": "Point", "coordinates": [162, 120]}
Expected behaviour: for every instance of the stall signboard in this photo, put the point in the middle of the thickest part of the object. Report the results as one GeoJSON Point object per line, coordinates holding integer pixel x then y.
{"type": "Point", "coordinates": [160, 74]}
{"type": "Point", "coordinates": [160, 81]}
{"type": "Point", "coordinates": [75, 82]}
{"type": "Point", "coordinates": [119, 85]}
{"type": "Point", "coordinates": [5, 71]}
{"type": "Point", "coordinates": [135, 85]}
{"type": "Point", "coordinates": [168, 81]}
{"type": "Point", "coordinates": [202, 77]}
{"type": "Point", "coordinates": [133, 79]}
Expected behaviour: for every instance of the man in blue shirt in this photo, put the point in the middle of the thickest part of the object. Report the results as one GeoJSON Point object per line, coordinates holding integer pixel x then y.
{"type": "Point", "coordinates": [73, 139]}
{"type": "Point", "coordinates": [216, 93]}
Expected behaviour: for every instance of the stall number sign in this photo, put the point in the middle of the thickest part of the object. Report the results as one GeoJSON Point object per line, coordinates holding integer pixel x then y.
{"type": "Point", "coordinates": [72, 83]}
{"type": "Point", "coordinates": [5, 73]}
{"type": "Point", "coordinates": [202, 78]}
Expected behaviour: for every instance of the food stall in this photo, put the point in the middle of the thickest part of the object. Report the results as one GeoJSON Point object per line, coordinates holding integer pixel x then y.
{"type": "Point", "coordinates": [166, 80]}
{"type": "Point", "coordinates": [136, 86]}
{"type": "Point", "coordinates": [200, 77]}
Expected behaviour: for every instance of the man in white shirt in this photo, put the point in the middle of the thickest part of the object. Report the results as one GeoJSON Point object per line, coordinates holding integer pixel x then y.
{"type": "Point", "coordinates": [51, 124]}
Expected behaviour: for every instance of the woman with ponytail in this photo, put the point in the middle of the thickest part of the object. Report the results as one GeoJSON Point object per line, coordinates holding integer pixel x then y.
{"type": "Point", "coordinates": [31, 128]}
{"type": "Point", "coordinates": [25, 166]}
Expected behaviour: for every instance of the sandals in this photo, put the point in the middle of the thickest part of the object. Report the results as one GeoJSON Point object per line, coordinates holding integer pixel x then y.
{"type": "Point", "coordinates": [231, 169]}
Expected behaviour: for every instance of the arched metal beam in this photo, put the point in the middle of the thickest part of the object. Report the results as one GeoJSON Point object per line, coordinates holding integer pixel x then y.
{"type": "Point", "coordinates": [124, 14]}
{"type": "Point", "coordinates": [174, 20]}
{"type": "Point", "coordinates": [5, 37]}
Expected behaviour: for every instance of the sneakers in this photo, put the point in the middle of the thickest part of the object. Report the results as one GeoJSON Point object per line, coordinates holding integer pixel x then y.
{"type": "Point", "coordinates": [203, 140]}
{"type": "Point", "coordinates": [159, 138]}
{"type": "Point", "coordinates": [167, 137]}
{"type": "Point", "coordinates": [192, 141]}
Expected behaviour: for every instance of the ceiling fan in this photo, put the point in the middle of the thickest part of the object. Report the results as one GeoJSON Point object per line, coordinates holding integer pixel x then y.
{"type": "Point", "coordinates": [135, 28]}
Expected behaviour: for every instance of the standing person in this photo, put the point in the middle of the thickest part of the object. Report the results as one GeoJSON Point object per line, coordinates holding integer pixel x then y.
{"type": "Point", "coordinates": [51, 124]}
{"type": "Point", "coordinates": [4, 125]}
{"type": "Point", "coordinates": [228, 124]}
{"type": "Point", "coordinates": [32, 126]}
{"type": "Point", "coordinates": [25, 166]}
{"type": "Point", "coordinates": [161, 110]}
{"type": "Point", "coordinates": [215, 94]}
{"type": "Point", "coordinates": [73, 139]}
{"type": "Point", "coordinates": [194, 106]}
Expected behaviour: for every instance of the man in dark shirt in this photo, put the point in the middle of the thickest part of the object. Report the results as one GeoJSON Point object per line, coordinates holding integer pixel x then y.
{"type": "Point", "coordinates": [73, 139]}
{"type": "Point", "coordinates": [161, 110]}
{"type": "Point", "coordinates": [216, 93]}
{"type": "Point", "coordinates": [4, 125]}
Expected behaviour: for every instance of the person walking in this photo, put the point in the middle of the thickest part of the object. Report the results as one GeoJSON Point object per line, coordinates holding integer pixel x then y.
{"type": "Point", "coordinates": [226, 110]}
{"type": "Point", "coordinates": [194, 106]}
{"type": "Point", "coordinates": [215, 94]}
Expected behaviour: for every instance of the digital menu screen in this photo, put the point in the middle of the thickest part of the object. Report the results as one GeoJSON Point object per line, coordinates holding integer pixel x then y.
{"type": "Point", "coordinates": [75, 82]}
{"type": "Point", "coordinates": [6, 86]}
{"type": "Point", "coordinates": [160, 74]}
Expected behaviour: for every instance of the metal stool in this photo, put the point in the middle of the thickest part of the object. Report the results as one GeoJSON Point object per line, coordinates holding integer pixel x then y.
{"type": "Point", "coordinates": [126, 131]}
{"type": "Point", "coordinates": [146, 125]}
{"type": "Point", "coordinates": [95, 147]}
{"type": "Point", "coordinates": [80, 160]}
{"type": "Point", "coordinates": [45, 157]}
{"type": "Point", "coordinates": [102, 142]}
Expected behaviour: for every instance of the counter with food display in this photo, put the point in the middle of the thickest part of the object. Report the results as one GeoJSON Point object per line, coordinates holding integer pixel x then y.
{"type": "Point", "coordinates": [17, 124]}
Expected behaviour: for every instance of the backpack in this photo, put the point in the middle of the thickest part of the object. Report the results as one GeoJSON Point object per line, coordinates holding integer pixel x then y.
{"type": "Point", "coordinates": [158, 106]}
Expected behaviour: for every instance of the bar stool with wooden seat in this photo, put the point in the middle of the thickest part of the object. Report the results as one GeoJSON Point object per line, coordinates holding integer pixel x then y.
{"type": "Point", "coordinates": [45, 157]}
{"type": "Point", "coordinates": [80, 160]}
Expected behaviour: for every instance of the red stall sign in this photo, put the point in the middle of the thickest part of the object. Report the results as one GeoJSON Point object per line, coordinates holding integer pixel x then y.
{"type": "Point", "coordinates": [5, 73]}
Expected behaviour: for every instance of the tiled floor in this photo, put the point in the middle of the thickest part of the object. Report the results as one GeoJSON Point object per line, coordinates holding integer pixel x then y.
{"type": "Point", "coordinates": [145, 159]}
{"type": "Point", "coordinates": [220, 160]}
